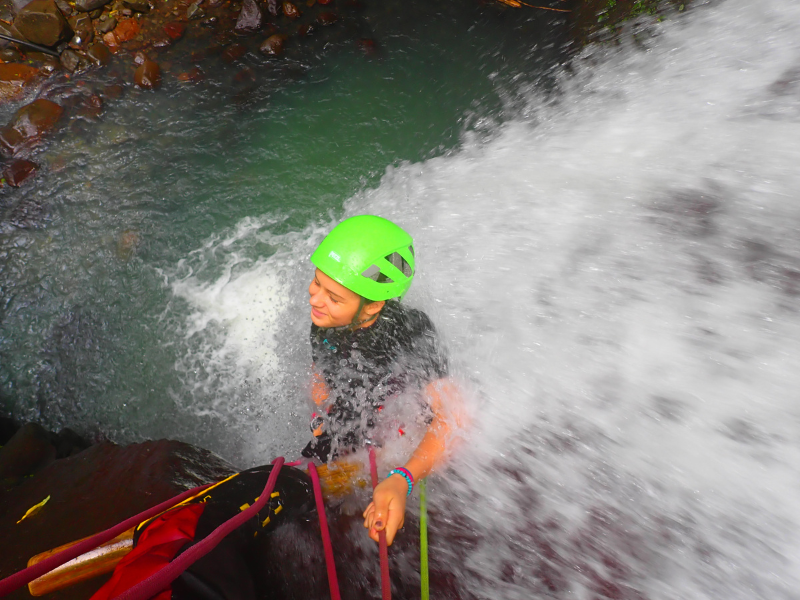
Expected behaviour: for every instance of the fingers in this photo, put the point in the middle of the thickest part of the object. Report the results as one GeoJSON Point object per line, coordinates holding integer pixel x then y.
{"type": "Point", "coordinates": [387, 510]}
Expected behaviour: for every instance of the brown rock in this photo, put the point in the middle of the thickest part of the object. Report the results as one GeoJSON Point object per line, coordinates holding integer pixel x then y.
{"type": "Point", "coordinates": [111, 41]}
{"type": "Point", "coordinates": [272, 6]}
{"type": "Point", "coordinates": [13, 78]}
{"type": "Point", "coordinates": [233, 53]}
{"type": "Point", "coordinates": [64, 7]}
{"type": "Point", "coordinates": [113, 91]}
{"type": "Point", "coordinates": [29, 124]}
{"type": "Point", "coordinates": [15, 174]}
{"type": "Point", "coordinates": [70, 60]}
{"type": "Point", "coordinates": [327, 18]}
{"type": "Point", "coordinates": [90, 5]}
{"type": "Point", "coordinates": [41, 22]}
{"type": "Point", "coordinates": [127, 243]}
{"type": "Point", "coordinates": [10, 55]}
{"type": "Point", "coordinates": [126, 30]}
{"type": "Point", "coordinates": [30, 447]}
{"type": "Point", "coordinates": [175, 30]}
{"type": "Point", "coordinates": [99, 54]}
{"type": "Point", "coordinates": [250, 17]}
{"type": "Point", "coordinates": [273, 45]}
{"type": "Point", "coordinates": [140, 6]}
{"type": "Point", "coordinates": [139, 58]}
{"type": "Point", "coordinates": [148, 75]}
{"type": "Point", "coordinates": [161, 40]}
{"type": "Point", "coordinates": [80, 41]}
{"type": "Point", "coordinates": [290, 10]}
{"type": "Point", "coordinates": [305, 30]}
{"type": "Point", "coordinates": [192, 76]}
{"type": "Point", "coordinates": [105, 25]}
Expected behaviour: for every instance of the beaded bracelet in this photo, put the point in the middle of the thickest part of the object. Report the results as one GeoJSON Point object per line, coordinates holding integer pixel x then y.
{"type": "Point", "coordinates": [406, 475]}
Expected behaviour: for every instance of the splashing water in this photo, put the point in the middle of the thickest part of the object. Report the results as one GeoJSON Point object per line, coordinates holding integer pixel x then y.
{"type": "Point", "coordinates": [615, 270]}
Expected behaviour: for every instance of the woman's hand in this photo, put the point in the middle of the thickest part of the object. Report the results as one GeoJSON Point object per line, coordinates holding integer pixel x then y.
{"type": "Point", "coordinates": [387, 511]}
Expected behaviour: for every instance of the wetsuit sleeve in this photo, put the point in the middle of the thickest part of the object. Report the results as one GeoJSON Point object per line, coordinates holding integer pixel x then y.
{"type": "Point", "coordinates": [429, 358]}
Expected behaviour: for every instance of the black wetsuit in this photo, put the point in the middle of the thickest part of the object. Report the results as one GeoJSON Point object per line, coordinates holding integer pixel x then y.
{"type": "Point", "coordinates": [368, 367]}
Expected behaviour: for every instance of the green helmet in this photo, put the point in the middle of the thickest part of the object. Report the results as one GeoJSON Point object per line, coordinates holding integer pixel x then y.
{"type": "Point", "coordinates": [368, 255]}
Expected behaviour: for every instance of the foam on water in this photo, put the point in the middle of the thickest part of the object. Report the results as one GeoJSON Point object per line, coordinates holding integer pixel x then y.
{"type": "Point", "coordinates": [616, 272]}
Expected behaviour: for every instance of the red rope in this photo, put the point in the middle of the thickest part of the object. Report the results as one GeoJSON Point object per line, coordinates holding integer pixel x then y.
{"type": "Point", "coordinates": [386, 584]}
{"type": "Point", "coordinates": [333, 581]}
{"type": "Point", "coordinates": [24, 577]}
{"type": "Point", "coordinates": [147, 588]}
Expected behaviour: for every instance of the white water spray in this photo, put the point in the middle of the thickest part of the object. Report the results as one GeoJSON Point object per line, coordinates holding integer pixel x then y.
{"type": "Point", "coordinates": [617, 274]}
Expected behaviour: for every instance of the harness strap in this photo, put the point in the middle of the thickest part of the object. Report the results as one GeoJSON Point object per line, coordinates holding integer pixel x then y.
{"type": "Point", "coordinates": [386, 583]}
{"type": "Point", "coordinates": [333, 581]}
{"type": "Point", "coordinates": [24, 577]}
{"type": "Point", "coordinates": [147, 588]}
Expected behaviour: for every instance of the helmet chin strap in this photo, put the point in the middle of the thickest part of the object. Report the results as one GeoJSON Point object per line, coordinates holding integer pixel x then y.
{"type": "Point", "coordinates": [355, 323]}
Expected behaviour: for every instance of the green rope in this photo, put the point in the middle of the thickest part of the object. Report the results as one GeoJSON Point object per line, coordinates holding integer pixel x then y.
{"type": "Point", "coordinates": [423, 541]}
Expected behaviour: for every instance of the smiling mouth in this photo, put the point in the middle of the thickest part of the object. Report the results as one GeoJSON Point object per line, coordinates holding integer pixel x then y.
{"type": "Point", "coordinates": [316, 313]}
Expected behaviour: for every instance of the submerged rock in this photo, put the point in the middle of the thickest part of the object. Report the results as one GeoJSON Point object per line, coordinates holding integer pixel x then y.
{"type": "Point", "coordinates": [126, 30]}
{"type": "Point", "coordinates": [41, 22]}
{"type": "Point", "coordinates": [70, 60]}
{"type": "Point", "coordinates": [29, 124]}
{"type": "Point", "coordinates": [175, 30]}
{"type": "Point", "coordinates": [250, 17]}
{"type": "Point", "coordinates": [13, 78]}
{"type": "Point", "coordinates": [148, 75]}
{"type": "Point", "coordinates": [290, 10]}
{"type": "Point", "coordinates": [15, 175]}
{"type": "Point", "coordinates": [327, 18]}
{"type": "Point", "coordinates": [273, 45]}
{"type": "Point", "coordinates": [192, 76]}
{"type": "Point", "coordinates": [141, 6]}
{"type": "Point", "coordinates": [99, 54]}
{"type": "Point", "coordinates": [233, 53]}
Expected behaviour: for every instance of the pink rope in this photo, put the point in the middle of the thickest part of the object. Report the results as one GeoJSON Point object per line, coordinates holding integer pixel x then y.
{"type": "Point", "coordinates": [24, 577]}
{"type": "Point", "coordinates": [153, 585]}
{"type": "Point", "coordinates": [386, 583]}
{"type": "Point", "coordinates": [333, 581]}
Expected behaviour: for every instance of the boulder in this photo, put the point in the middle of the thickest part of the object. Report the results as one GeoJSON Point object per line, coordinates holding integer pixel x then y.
{"type": "Point", "coordinates": [41, 22]}
{"type": "Point", "coordinates": [290, 10]}
{"type": "Point", "coordinates": [103, 26]}
{"type": "Point", "coordinates": [140, 6]}
{"type": "Point", "coordinates": [175, 30]}
{"type": "Point", "coordinates": [233, 53]}
{"type": "Point", "coordinates": [29, 124]}
{"type": "Point", "coordinates": [99, 54]}
{"type": "Point", "coordinates": [30, 448]}
{"type": "Point", "coordinates": [90, 5]}
{"type": "Point", "coordinates": [13, 78]}
{"type": "Point", "coordinates": [327, 18]}
{"type": "Point", "coordinates": [148, 75]}
{"type": "Point", "coordinates": [273, 45]}
{"type": "Point", "coordinates": [250, 17]}
{"type": "Point", "coordinates": [19, 171]}
{"type": "Point", "coordinates": [70, 60]}
{"type": "Point", "coordinates": [92, 491]}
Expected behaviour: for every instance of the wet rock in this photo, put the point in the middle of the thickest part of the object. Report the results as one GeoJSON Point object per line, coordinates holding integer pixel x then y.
{"type": "Point", "coordinates": [95, 14]}
{"type": "Point", "coordinates": [113, 91]}
{"type": "Point", "coordinates": [90, 5]}
{"type": "Point", "coordinates": [194, 11]}
{"type": "Point", "coordinates": [70, 60]}
{"type": "Point", "coordinates": [68, 443]}
{"type": "Point", "coordinates": [41, 22]}
{"type": "Point", "coordinates": [192, 76]}
{"type": "Point", "coordinates": [105, 25]}
{"type": "Point", "coordinates": [80, 22]}
{"type": "Point", "coordinates": [161, 40]}
{"type": "Point", "coordinates": [327, 18]}
{"type": "Point", "coordinates": [29, 124]}
{"type": "Point", "coordinates": [127, 244]}
{"type": "Point", "coordinates": [111, 41]}
{"type": "Point", "coordinates": [90, 107]}
{"type": "Point", "coordinates": [10, 55]}
{"type": "Point", "coordinates": [81, 41]}
{"type": "Point", "coordinates": [126, 30]}
{"type": "Point", "coordinates": [99, 54]}
{"type": "Point", "coordinates": [210, 22]}
{"type": "Point", "coordinates": [250, 17]}
{"type": "Point", "coordinates": [148, 75]}
{"type": "Point", "coordinates": [50, 65]}
{"type": "Point", "coordinates": [17, 172]}
{"type": "Point", "coordinates": [290, 10]}
{"type": "Point", "coordinates": [139, 58]}
{"type": "Point", "coordinates": [305, 30]}
{"type": "Point", "coordinates": [233, 53]}
{"type": "Point", "coordinates": [13, 78]}
{"type": "Point", "coordinates": [94, 490]}
{"type": "Point", "coordinates": [140, 6]}
{"type": "Point", "coordinates": [246, 75]}
{"type": "Point", "coordinates": [64, 7]}
{"type": "Point", "coordinates": [30, 449]}
{"type": "Point", "coordinates": [272, 6]}
{"type": "Point", "coordinates": [273, 45]}
{"type": "Point", "coordinates": [175, 30]}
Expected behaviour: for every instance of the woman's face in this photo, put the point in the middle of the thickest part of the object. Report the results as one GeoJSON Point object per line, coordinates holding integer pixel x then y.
{"type": "Point", "coordinates": [332, 304]}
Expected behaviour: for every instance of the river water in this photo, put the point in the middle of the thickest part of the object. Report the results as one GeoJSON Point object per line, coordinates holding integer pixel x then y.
{"type": "Point", "coordinates": [610, 252]}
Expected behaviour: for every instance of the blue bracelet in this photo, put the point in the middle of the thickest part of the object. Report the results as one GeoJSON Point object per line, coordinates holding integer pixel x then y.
{"type": "Point", "coordinates": [406, 477]}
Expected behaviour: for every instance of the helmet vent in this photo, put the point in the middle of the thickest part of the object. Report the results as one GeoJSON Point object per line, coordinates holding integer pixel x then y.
{"type": "Point", "coordinates": [400, 262]}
